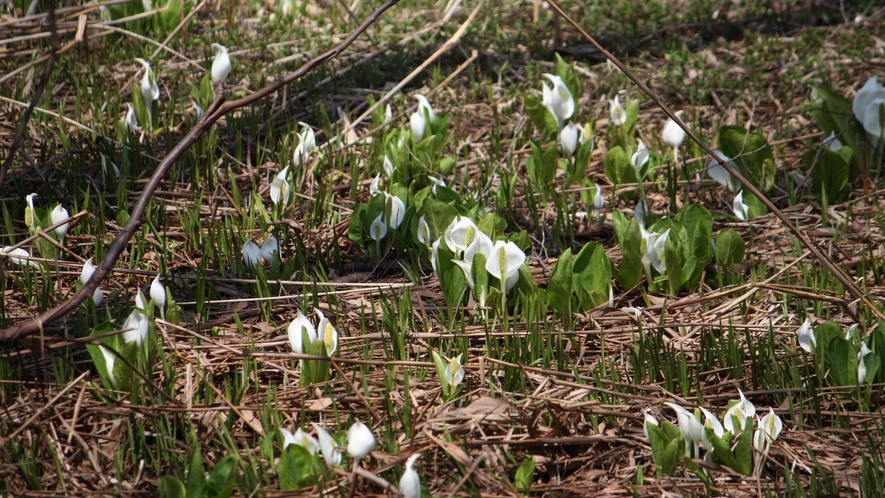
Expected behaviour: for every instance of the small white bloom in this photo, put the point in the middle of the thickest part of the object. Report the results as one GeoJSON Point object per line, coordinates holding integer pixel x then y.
{"type": "Point", "coordinates": [649, 420]}
{"type": "Point", "coordinates": [394, 211]}
{"type": "Point", "coordinates": [279, 188]}
{"type": "Point", "coordinates": [30, 213]}
{"type": "Point", "coordinates": [307, 142]}
{"type": "Point", "coordinates": [617, 111]}
{"type": "Point", "coordinates": [424, 105]}
{"type": "Point", "coordinates": [300, 438]}
{"type": "Point", "coordinates": [568, 138]}
{"type": "Point", "coordinates": [158, 294]}
{"type": "Point", "coordinates": [691, 428]}
{"type": "Point", "coordinates": [197, 109]}
{"type": "Point", "coordinates": [104, 14]}
{"type": "Point", "coordinates": [460, 234]}
{"type": "Point", "coordinates": [327, 333]}
{"type": "Point", "coordinates": [388, 114]}
{"type": "Point", "coordinates": [741, 411]}
{"type": "Point", "coordinates": [19, 257]}
{"type": "Point", "coordinates": [294, 331]}
{"type": "Point", "coordinates": [655, 243]}
{"type": "Point", "coordinates": [270, 247]}
{"type": "Point", "coordinates": [712, 422]}
{"type": "Point", "coordinates": [374, 187]}
{"type": "Point", "coordinates": [131, 120]}
{"type": "Point", "coordinates": [58, 215]}
{"type": "Point", "coordinates": [673, 135]}
{"type": "Point", "coordinates": [378, 230]}
{"type": "Point", "coordinates": [637, 312]}
{"type": "Point", "coordinates": [360, 440]}
{"type": "Point", "coordinates": [251, 254]}
{"type": "Point", "coordinates": [738, 207]}
{"type": "Point", "coordinates": [867, 106]}
{"type": "Point", "coordinates": [504, 263]}
{"type": "Point", "coordinates": [807, 341]}
{"type": "Point", "coordinates": [221, 65]}
{"type": "Point", "coordinates": [140, 301]}
{"type": "Point", "coordinates": [87, 271]}
{"type": "Point", "coordinates": [598, 201]}
{"type": "Point", "coordinates": [640, 157]}
{"type": "Point", "coordinates": [437, 182]}
{"type": "Point", "coordinates": [832, 142]}
{"type": "Point", "coordinates": [558, 99]}
{"type": "Point", "coordinates": [410, 482]}
{"type": "Point", "coordinates": [149, 89]}
{"type": "Point", "coordinates": [423, 231]}
{"type": "Point", "coordinates": [286, 8]}
{"type": "Point", "coordinates": [850, 332]}
{"type": "Point", "coordinates": [328, 446]}
{"type": "Point", "coordinates": [137, 328]}
{"type": "Point", "coordinates": [861, 366]}
{"type": "Point", "coordinates": [109, 364]}
{"type": "Point", "coordinates": [387, 166]}
{"type": "Point", "coordinates": [454, 372]}
{"type": "Point", "coordinates": [418, 124]}
{"type": "Point", "coordinates": [717, 172]}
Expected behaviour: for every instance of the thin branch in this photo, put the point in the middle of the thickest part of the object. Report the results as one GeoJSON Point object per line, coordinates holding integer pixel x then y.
{"type": "Point", "coordinates": [215, 111]}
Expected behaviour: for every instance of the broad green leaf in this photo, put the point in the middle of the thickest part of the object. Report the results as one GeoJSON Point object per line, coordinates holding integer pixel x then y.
{"type": "Point", "coordinates": [480, 278]}
{"type": "Point", "coordinates": [439, 216]}
{"type": "Point", "coordinates": [673, 452]}
{"type": "Point", "coordinates": [743, 450]}
{"type": "Point", "coordinates": [729, 248]}
{"type": "Point", "coordinates": [220, 483]}
{"type": "Point", "coordinates": [559, 289]}
{"type": "Point", "coordinates": [675, 276]}
{"type": "Point", "coordinates": [492, 225]}
{"type": "Point", "coordinates": [872, 363]}
{"type": "Point", "coordinates": [440, 364]}
{"type": "Point", "coordinates": [722, 449]}
{"type": "Point", "coordinates": [592, 276]}
{"type": "Point", "coordinates": [195, 476]}
{"type": "Point", "coordinates": [451, 277]}
{"type": "Point", "coordinates": [829, 170]}
{"type": "Point", "coordinates": [842, 361]}
{"type": "Point", "coordinates": [751, 152]}
{"type": "Point", "coordinates": [618, 168]}
{"type": "Point", "coordinates": [298, 468]}
{"type": "Point", "coordinates": [629, 237]}
{"type": "Point", "coordinates": [170, 487]}
{"type": "Point", "coordinates": [823, 334]}
{"type": "Point", "coordinates": [525, 473]}
{"type": "Point", "coordinates": [542, 118]}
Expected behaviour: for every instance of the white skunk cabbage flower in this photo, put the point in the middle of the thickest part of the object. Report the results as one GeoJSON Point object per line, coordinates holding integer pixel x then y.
{"type": "Point", "coordinates": [294, 331]}
{"type": "Point", "coordinates": [158, 294]}
{"type": "Point", "coordinates": [251, 254]}
{"type": "Point", "coordinates": [767, 431]}
{"type": "Point", "coordinates": [861, 366]}
{"type": "Point", "coordinates": [149, 89]}
{"type": "Point", "coordinates": [423, 116]}
{"type": "Point", "coordinates": [30, 213]}
{"type": "Point", "coordinates": [268, 248]}
{"type": "Point", "coordinates": [673, 135]}
{"type": "Point", "coordinates": [221, 64]}
{"type": "Point", "coordinates": [738, 207]}
{"type": "Point", "coordinates": [388, 114]}
{"type": "Point", "coordinates": [454, 372]}
{"type": "Point", "coordinates": [712, 422]}
{"type": "Point", "coordinates": [300, 438]}
{"type": "Point", "coordinates": [279, 188]}
{"type": "Point", "coordinates": [617, 112]}
{"type": "Point", "coordinates": [109, 364]}
{"type": "Point", "coordinates": [424, 231]}
{"type": "Point", "coordinates": [691, 428]}
{"type": "Point", "coordinates": [328, 446]}
{"type": "Point", "coordinates": [741, 410]}
{"type": "Point", "coordinates": [640, 157]}
{"type": "Point", "coordinates": [394, 211]}
{"type": "Point", "coordinates": [568, 138]}
{"type": "Point", "coordinates": [58, 215]}
{"type": "Point", "coordinates": [868, 107]}
{"type": "Point", "coordinates": [410, 482]}
{"type": "Point", "coordinates": [137, 328]}
{"type": "Point", "coordinates": [558, 99]}
{"type": "Point", "coordinates": [131, 120]}
{"type": "Point", "coordinates": [327, 333]}
{"type": "Point", "coordinates": [19, 257]}
{"type": "Point", "coordinates": [360, 440]}
{"type": "Point", "coordinates": [504, 263]}
{"type": "Point", "coordinates": [378, 230]}
{"type": "Point", "coordinates": [806, 338]}
{"type": "Point", "coordinates": [717, 172]}
{"type": "Point", "coordinates": [649, 419]}
{"type": "Point", "coordinates": [460, 234]}
{"type": "Point", "coordinates": [85, 275]}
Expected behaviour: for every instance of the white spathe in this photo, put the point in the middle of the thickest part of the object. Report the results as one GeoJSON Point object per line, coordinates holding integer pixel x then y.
{"type": "Point", "coordinates": [149, 89]}
{"type": "Point", "coordinates": [673, 135]}
{"type": "Point", "coordinates": [131, 120]}
{"type": "Point", "coordinates": [504, 263]}
{"type": "Point", "coordinates": [640, 157]}
{"type": "Point", "coordinates": [454, 372]}
{"type": "Point", "coordinates": [460, 234]}
{"type": "Point", "coordinates": [740, 411]}
{"type": "Point", "coordinates": [617, 112]}
{"type": "Point", "coordinates": [806, 338]}
{"type": "Point", "coordinates": [394, 210]}
{"type": "Point", "coordinates": [300, 438]}
{"type": "Point", "coordinates": [58, 215]}
{"type": "Point", "coordinates": [868, 107]}
{"type": "Point", "coordinates": [268, 248]}
{"type": "Point", "coordinates": [137, 328]}
{"type": "Point", "coordinates": [327, 333]}
{"type": "Point", "coordinates": [378, 229]}
{"type": "Point", "coordinates": [558, 99]}
{"type": "Point", "coordinates": [568, 138]}
{"type": "Point", "coordinates": [280, 191]}
{"type": "Point", "coordinates": [717, 172]}
{"type": "Point", "coordinates": [360, 440]}
{"type": "Point", "coordinates": [738, 207]}
{"type": "Point", "coordinates": [221, 64]}
{"type": "Point", "coordinates": [410, 482]}
{"type": "Point", "coordinates": [158, 294]}
{"type": "Point", "coordinates": [251, 254]}
{"type": "Point", "coordinates": [295, 332]}
{"type": "Point", "coordinates": [328, 446]}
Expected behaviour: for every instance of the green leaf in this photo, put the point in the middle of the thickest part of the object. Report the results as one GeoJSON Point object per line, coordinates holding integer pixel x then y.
{"type": "Point", "coordinates": [525, 474]}
{"type": "Point", "coordinates": [666, 447]}
{"type": "Point", "coordinates": [298, 468]}
{"type": "Point", "coordinates": [559, 289]}
{"type": "Point", "coordinates": [220, 483]}
{"type": "Point", "coordinates": [542, 164]}
{"type": "Point", "coordinates": [521, 239]}
{"type": "Point", "coordinates": [673, 452]}
{"type": "Point", "coordinates": [843, 361]}
{"type": "Point", "coordinates": [751, 152]}
{"type": "Point", "coordinates": [619, 170]}
{"type": "Point", "coordinates": [438, 215]}
{"type": "Point", "coordinates": [823, 334]}
{"type": "Point", "coordinates": [592, 276]}
{"type": "Point", "coordinates": [829, 170]}
{"type": "Point", "coordinates": [872, 362]}
{"type": "Point", "coordinates": [170, 487]}
{"type": "Point", "coordinates": [743, 450]}
{"type": "Point", "coordinates": [480, 277]}
{"type": "Point", "coordinates": [582, 161]}
{"type": "Point", "coordinates": [729, 248]}
{"type": "Point", "coordinates": [314, 371]}
{"type": "Point", "coordinates": [629, 237]}
{"type": "Point", "coordinates": [543, 119]}
{"type": "Point", "coordinates": [440, 364]}
{"type": "Point", "coordinates": [722, 450]}
{"type": "Point", "coordinates": [492, 225]}
{"type": "Point", "coordinates": [195, 476]}
{"type": "Point", "coordinates": [451, 277]}
{"type": "Point", "coordinates": [675, 275]}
